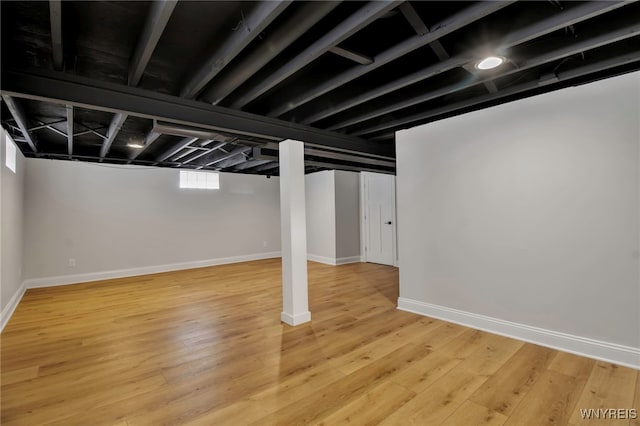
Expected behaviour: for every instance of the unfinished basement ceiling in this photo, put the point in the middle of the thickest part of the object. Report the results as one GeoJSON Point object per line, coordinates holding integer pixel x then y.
{"type": "Point", "coordinates": [216, 85]}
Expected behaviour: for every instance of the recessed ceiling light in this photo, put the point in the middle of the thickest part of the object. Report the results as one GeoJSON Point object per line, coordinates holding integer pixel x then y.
{"type": "Point", "coordinates": [490, 62]}
{"type": "Point", "coordinates": [136, 145]}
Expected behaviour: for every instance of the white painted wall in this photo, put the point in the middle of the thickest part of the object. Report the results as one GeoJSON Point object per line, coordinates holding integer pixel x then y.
{"type": "Point", "coordinates": [529, 213]}
{"type": "Point", "coordinates": [11, 216]}
{"type": "Point", "coordinates": [110, 218]}
{"type": "Point", "coordinates": [321, 216]}
{"type": "Point", "coordinates": [333, 216]}
{"type": "Point", "coordinates": [347, 193]}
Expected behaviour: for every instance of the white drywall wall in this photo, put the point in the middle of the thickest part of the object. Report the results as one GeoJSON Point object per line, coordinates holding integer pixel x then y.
{"type": "Point", "coordinates": [321, 216]}
{"type": "Point", "coordinates": [110, 217]}
{"type": "Point", "coordinates": [347, 195]}
{"type": "Point", "coordinates": [529, 213]}
{"type": "Point", "coordinates": [12, 212]}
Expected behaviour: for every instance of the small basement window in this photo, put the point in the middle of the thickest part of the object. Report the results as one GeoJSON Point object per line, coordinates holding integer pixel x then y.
{"type": "Point", "coordinates": [10, 152]}
{"type": "Point", "coordinates": [199, 180]}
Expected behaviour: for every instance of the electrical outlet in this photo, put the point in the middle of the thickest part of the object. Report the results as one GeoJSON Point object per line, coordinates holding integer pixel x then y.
{"type": "Point", "coordinates": [72, 262]}
{"type": "Point", "coordinates": [264, 244]}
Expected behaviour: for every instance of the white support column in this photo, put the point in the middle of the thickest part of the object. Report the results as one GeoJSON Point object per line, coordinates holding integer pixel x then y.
{"type": "Point", "coordinates": [295, 303]}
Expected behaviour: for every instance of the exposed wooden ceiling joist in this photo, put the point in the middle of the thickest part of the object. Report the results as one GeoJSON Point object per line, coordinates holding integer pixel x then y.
{"type": "Point", "coordinates": [18, 115]}
{"type": "Point", "coordinates": [159, 14]}
{"type": "Point", "coordinates": [447, 26]}
{"type": "Point", "coordinates": [415, 62]}
{"type": "Point", "coordinates": [368, 13]}
{"type": "Point", "coordinates": [250, 27]}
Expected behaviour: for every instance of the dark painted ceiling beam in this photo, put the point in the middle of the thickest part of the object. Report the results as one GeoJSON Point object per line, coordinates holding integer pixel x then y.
{"type": "Point", "coordinates": [414, 119]}
{"type": "Point", "coordinates": [56, 131]}
{"type": "Point", "coordinates": [18, 115]}
{"type": "Point", "coordinates": [259, 154]}
{"type": "Point", "coordinates": [204, 149]}
{"type": "Point", "coordinates": [114, 127]}
{"type": "Point", "coordinates": [383, 89]}
{"type": "Point", "coordinates": [86, 157]}
{"type": "Point", "coordinates": [86, 93]}
{"type": "Point", "coordinates": [251, 164]}
{"type": "Point", "coordinates": [251, 26]}
{"type": "Point", "coordinates": [271, 155]}
{"type": "Point", "coordinates": [621, 33]}
{"type": "Point", "coordinates": [55, 19]}
{"type": "Point", "coordinates": [90, 130]}
{"type": "Point", "coordinates": [491, 86]}
{"type": "Point", "coordinates": [238, 151]}
{"type": "Point", "coordinates": [185, 153]}
{"type": "Point", "coordinates": [447, 26]}
{"type": "Point", "coordinates": [83, 132]}
{"type": "Point", "coordinates": [354, 23]}
{"type": "Point", "coordinates": [520, 36]}
{"type": "Point", "coordinates": [306, 16]}
{"type": "Point", "coordinates": [334, 166]}
{"type": "Point", "coordinates": [232, 162]}
{"type": "Point", "coordinates": [386, 88]}
{"type": "Point", "coordinates": [560, 20]}
{"type": "Point", "coordinates": [267, 166]}
{"type": "Point", "coordinates": [149, 139]}
{"type": "Point", "coordinates": [165, 128]}
{"type": "Point", "coordinates": [413, 18]}
{"type": "Point", "coordinates": [351, 55]}
{"type": "Point", "coordinates": [312, 152]}
{"type": "Point", "coordinates": [439, 50]}
{"type": "Point", "coordinates": [42, 126]}
{"type": "Point", "coordinates": [215, 147]}
{"type": "Point", "coordinates": [69, 130]}
{"type": "Point", "coordinates": [273, 165]}
{"type": "Point", "coordinates": [182, 144]}
{"type": "Point", "coordinates": [159, 14]}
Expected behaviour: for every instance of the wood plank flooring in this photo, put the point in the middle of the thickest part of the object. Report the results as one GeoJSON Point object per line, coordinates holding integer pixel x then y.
{"type": "Point", "coordinates": [206, 347]}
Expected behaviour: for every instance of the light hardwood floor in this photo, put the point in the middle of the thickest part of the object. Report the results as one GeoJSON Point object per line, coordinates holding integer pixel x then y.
{"type": "Point", "coordinates": [206, 347]}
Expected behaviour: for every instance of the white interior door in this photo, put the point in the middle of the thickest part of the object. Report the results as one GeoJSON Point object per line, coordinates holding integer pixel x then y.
{"type": "Point", "coordinates": [379, 217]}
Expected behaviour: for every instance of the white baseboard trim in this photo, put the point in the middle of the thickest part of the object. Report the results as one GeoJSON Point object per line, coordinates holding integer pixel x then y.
{"type": "Point", "coordinates": [131, 272]}
{"type": "Point", "coordinates": [321, 259]}
{"type": "Point", "coordinates": [333, 261]}
{"type": "Point", "coordinates": [350, 259]}
{"type": "Point", "coordinates": [296, 319]}
{"type": "Point", "coordinates": [8, 310]}
{"type": "Point", "coordinates": [591, 348]}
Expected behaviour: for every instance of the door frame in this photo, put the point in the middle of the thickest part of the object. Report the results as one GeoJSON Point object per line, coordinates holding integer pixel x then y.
{"type": "Point", "coordinates": [364, 234]}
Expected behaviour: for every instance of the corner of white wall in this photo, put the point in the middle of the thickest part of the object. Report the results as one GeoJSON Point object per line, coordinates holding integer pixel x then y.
{"type": "Point", "coordinates": [10, 308]}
